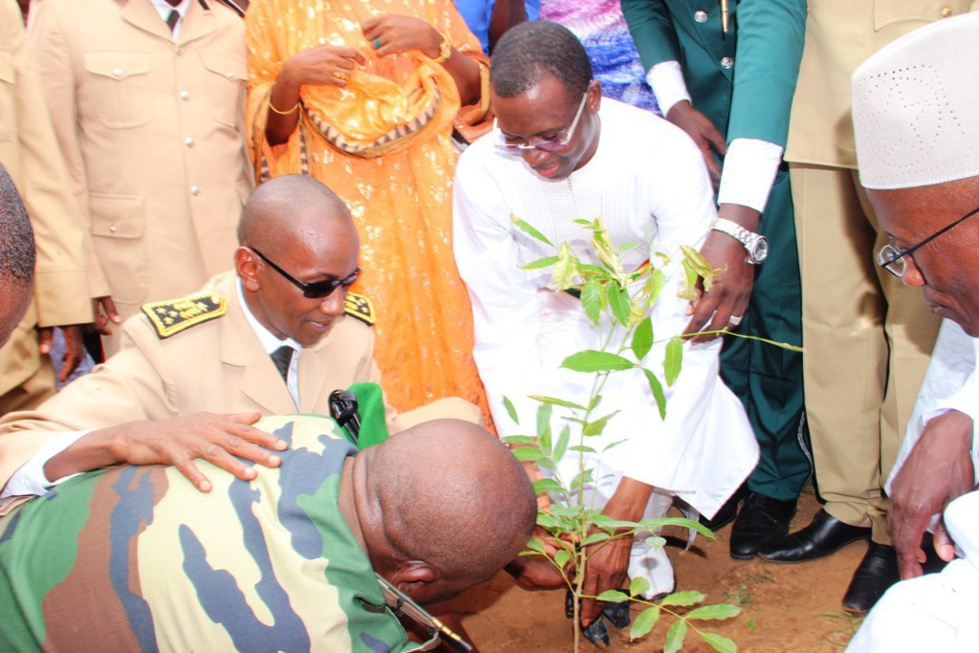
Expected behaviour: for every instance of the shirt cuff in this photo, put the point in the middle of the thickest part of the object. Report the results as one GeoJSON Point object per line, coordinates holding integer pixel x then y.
{"type": "Point", "coordinates": [749, 171]}
{"type": "Point", "coordinates": [666, 80]}
{"type": "Point", "coordinates": [30, 479]}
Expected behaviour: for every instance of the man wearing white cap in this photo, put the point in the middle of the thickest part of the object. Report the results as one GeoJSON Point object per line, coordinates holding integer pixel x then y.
{"type": "Point", "coordinates": [917, 137]}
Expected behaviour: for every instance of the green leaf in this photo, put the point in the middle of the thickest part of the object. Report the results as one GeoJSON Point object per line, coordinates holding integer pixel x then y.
{"type": "Point", "coordinates": [547, 520]}
{"type": "Point", "coordinates": [528, 229]}
{"type": "Point", "coordinates": [595, 400]}
{"type": "Point", "coordinates": [547, 261]}
{"type": "Point", "coordinates": [688, 289]}
{"type": "Point", "coordinates": [644, 622]}
{"type": "Point", "coordinates": [657, 389]}
{"type": "Point", "coordinates": [554, 401]}
{"type": "Point", "coordinates": [639, 585]}
{"type": "Point", "coordinates": [720, 643]}
{"type": "Point", "coordinates": [584, 477]}
{"type": "Point", "coordinates": [526, 454]}
{"type": "Point", "coordinates": [544, 426]}
{"type": "Point", "coordinates": [595, 538]}
{"type": "Point", "coordinates": [561, 446]}
{"type": "Point", "coordinates": [597, 426]}
{"type": "Point", "coordinates": [675, 636]}
{"type": "Point", "coordinates": [717, 611]}
{"type": "Point", "coordinates": [510, 410]}
{"type": "Point", "coordinates": [620, 303]}
{"type": "Point", "coordinates": [591, 360]}
{"type": "Point", "coordinates": [642, 338]}
{"type": "Point", "coordinates": [561, 558]}
{"type": "Point", "coordinates": [520, 439]}
{"type": "Point", "coordinates": [535, 545]}
{"type": "Point", "coordinates": [566, 269]}
{"type": "Point", "coordinates": [626, 247]}
{"type": "Point", "coordinates": [612, 596]}
{"type": "Point", "coordinates": [593, 301]}
{"type": "Point", "coordinates": [674, 359]}
{"type": "Point", "coordinates": [653, 286]}
{"type": "Point", "coordinates": [580, 448]}
{"type": "Point", "coordinates": [583, 222]}
{"type": "Point", "coordinates": [542, 485]}
{"type": "Point", "coordinates": [690, 597]}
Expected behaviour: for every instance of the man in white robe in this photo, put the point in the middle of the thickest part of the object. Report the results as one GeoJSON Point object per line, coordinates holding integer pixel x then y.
{"type": "Point", "coordinates": [576, 155]}
{"type": "Point", "coordinates": [917, 135]}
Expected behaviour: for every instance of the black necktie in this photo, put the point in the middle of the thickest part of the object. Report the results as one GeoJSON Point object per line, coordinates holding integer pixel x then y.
{"type": "Point", "coordinates": [172, 19]}
{"type": "Point", "coordinates": [281, 358]}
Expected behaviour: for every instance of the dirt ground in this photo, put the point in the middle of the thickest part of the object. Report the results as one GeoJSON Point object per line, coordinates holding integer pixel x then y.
{"type": "Point", "coordinates": [785, 608]}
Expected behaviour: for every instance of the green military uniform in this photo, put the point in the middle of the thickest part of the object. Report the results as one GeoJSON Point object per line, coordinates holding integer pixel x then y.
{"type": "Point", "coordinates": [135, 558]}
{"type": "Point", "coordinates": [743, 81]}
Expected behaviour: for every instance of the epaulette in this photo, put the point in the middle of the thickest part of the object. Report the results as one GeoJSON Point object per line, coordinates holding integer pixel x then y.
{"type": "Point", "coordinates": [175, 315]}
{"type": "Point", "coordinates": [359, 307]}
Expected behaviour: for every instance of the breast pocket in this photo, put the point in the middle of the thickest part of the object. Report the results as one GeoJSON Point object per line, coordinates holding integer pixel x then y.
{"type": "Point", "coordinates": [118, 226]}
{"type": "Point", "coordinates": [891, 12]}
{"type": "Point", "coordinates": [118, 87]}
{"type": "Point", "coordinates": [225, 86]}
{"type": "Point", "coordinates": [7, 95]}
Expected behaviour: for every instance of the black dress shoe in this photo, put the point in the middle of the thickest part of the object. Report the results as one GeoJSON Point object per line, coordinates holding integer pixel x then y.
{"type": "Point", "coordinates": [726, 513]}
{"type": "Point", "coordinates": [762, 520]}
{"type": "Point", "coordinates": [876, 572]}
{"type": "Point", "coordinates": [824, 535]}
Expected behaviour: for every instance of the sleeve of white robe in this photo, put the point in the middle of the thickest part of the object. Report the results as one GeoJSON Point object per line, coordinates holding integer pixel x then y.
{"type": "Point", "coordinates": [505, 350]}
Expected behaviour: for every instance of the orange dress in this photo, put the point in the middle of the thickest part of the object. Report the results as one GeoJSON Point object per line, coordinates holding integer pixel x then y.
{"type": "Point", "coordinates": [383, 144]}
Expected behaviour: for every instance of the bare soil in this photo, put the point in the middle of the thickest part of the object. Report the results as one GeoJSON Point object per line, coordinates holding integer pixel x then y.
{"type": "Point", "coordinates": [785, 607]}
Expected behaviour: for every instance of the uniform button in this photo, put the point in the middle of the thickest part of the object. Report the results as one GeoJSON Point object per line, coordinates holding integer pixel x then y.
{"type": "Point", "coordinates": [700, 16]}
{"type": "Point", "coordinates": [184, 95]}
{"type": "Point", "coordinates": [946, 11]}
{"type": "Point", "coordinates": [189, 142]}
{"type": "Point", "coordinates": [194, 190]}
{"type": "Point", "coordinates": [229, 75]}
{"type": "Point", "coordinates": [727, 62]}
{"type": "Point", "coordinates": [112, 228]}
{"type": "Point", "coordinates": [178, 51]}
{"type": "Point", "coordinates": [117, 72]}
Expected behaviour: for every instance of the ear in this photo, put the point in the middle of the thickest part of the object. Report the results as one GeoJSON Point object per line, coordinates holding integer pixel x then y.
{"type": "Point", "coordinates": [415, 578]}
{"type": "Point", "coordinates": [246, 264]}
{"type": "Point", "coordinates": [594, 96]}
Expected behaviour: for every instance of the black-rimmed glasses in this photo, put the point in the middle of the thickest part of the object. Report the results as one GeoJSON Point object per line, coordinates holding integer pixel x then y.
{"type": "Point", "coordinates": [551, 145]}
{"type": "Point", "coordinates": [313, 289]}
{"type": "Point", "coordinates": [894, 260]}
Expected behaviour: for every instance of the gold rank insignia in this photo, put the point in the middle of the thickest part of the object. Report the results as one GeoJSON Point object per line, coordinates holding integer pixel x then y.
{"type": "Point", "coordinates": [360, 307]}
{"type": "Point", "coordinates": [175, 315]}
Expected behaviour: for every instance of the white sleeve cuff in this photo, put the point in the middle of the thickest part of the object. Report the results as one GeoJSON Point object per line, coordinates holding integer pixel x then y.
{"type": "Point", "coordinates": [666, 80]}
{"type": "Point", "coordinates": [749, 171]}
{"type": "Point", "coordinates": [30, 479]}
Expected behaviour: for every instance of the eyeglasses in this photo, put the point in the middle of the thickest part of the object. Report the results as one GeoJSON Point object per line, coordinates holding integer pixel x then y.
{"type": "Point", "coordinates": [313, 289]}
{"type": "Point", "coordinates": [894, 260]}
{"type": "Point", "coordinates": [551, 145]}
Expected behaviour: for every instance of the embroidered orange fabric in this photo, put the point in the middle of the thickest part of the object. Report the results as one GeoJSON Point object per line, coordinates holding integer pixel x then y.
{"type": "Point", "coordinates": [401, 200]}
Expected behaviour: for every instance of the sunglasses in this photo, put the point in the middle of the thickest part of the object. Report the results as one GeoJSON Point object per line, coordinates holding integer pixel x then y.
{"type": "Point", "coordinates": [313, 289]}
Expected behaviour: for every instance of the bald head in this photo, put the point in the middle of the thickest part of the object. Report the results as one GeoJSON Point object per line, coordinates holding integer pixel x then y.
{"type": "Point", "coordinates": [17, 255]}
{"type": "Point", "coordinates": [286, 210]}
{"type": "Point", "coordinates": [453, 496]}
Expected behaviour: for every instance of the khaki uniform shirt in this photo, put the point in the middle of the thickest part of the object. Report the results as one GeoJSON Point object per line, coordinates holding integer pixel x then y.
{"type": "Point", "coordinates": [29, 151]}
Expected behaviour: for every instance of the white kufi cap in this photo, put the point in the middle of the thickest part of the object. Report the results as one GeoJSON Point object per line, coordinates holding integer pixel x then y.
{"type": "Point", "coordinates": [916, 107]}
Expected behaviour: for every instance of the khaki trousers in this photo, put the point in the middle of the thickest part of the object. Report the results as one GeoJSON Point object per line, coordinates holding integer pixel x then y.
{"type": "Point", "coordinates": [868, 339]}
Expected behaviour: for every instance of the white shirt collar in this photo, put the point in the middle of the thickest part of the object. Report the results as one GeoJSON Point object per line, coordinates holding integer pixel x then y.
{"type": "Point", "coordinates": [269, 341]}
{"type": "Point", "coordinates": [164, 8]}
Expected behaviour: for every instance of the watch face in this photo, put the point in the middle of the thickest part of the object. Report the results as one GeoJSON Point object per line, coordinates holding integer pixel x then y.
{"type": "Point", "coordinates": [759, 251]}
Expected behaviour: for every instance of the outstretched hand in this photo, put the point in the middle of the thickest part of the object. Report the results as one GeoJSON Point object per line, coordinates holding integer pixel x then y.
{"type": "Point", "coordinates": [938, 470]}
{"type": "Point", "coordinates": [220, 439]}
{"type": "Point", "coordinates": [74, 347]}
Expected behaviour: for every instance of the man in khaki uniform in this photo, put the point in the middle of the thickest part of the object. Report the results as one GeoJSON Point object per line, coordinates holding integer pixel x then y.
{"type": "Point", "coordinates": [868, 339]}
{"type": "Point", "coordinates": [29, 151]}
{"type": "Point", "coordinates": [149, 120]}
{"type": "Point", "coordinates": [214, 351]}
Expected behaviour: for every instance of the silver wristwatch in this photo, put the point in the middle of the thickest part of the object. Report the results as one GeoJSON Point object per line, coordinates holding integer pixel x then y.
{"type": "Point", "coordinates": [755, 244]}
